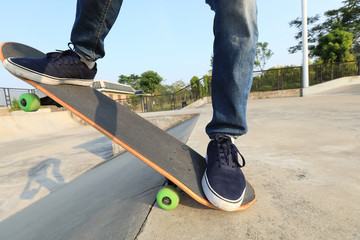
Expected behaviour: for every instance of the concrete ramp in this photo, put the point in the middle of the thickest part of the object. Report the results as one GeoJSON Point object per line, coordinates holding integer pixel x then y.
{"type": "Point", "coordinates": [24, 124]}
{"type": "Point", "coordinates": [346, 85]}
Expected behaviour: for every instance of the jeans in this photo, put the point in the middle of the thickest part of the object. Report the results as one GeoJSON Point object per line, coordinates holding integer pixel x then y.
{"type": "Point", "coordinates": [235, 30]}
{"type": "Point", "coordinates": [93, 21]}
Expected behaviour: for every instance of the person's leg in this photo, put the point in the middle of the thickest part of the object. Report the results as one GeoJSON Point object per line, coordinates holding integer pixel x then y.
{"type": "Point", "coordinates": [235, 30]}
{"type": "Point", "coordinates": [94, 19]}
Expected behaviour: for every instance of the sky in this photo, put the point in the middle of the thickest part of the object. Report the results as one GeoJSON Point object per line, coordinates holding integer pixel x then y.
{"type": "Point", "coordinates": [172, 38]}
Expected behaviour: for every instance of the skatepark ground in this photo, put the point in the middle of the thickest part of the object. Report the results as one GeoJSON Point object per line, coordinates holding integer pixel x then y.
{"type": "Point", "coordinates": [302, 157]}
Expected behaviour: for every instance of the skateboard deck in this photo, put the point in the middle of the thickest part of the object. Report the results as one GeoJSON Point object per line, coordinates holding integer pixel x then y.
{"type": "Point", "coordinates": [176, 161]}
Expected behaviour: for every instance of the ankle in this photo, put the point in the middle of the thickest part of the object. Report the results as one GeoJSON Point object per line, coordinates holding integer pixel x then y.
{"type": "Point", "coordinates": [89, 64]}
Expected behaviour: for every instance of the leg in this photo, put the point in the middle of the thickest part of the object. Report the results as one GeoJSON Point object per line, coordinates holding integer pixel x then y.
{"type": "Point", "coordinates": [235, 29]}
{"type": "Point", "coordinates": [236, 34]}
{"type": "Point", "coordinates": [94, 19]}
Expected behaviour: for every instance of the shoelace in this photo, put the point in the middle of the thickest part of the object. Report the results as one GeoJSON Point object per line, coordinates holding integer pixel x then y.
{"type": "Point", "coordinates": [228, 152]}
{"type": "Point", "coordinates": [60, 53]}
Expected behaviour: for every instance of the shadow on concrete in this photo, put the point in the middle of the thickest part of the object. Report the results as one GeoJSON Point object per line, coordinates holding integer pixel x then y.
{"type": "Point", "coordinates": [101, 147]}
{"type": "Point", "coordinates": [39, 175]}
{"type": "Point", "coordinates": [109, 202]}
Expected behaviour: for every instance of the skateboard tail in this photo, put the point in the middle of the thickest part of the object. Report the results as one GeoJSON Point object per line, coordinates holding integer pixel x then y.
{"type": "Point", "coordinates": [1, 54]}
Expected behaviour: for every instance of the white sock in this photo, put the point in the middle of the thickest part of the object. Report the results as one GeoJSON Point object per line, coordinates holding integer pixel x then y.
{"type": "Point", "coordinates": [89, 64]}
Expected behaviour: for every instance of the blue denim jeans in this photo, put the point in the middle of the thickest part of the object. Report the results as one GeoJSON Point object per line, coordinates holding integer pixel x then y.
{"type": "Point", "coordinates": [235, 30]}
{"type": "Point", "coordinates": [93, 21]}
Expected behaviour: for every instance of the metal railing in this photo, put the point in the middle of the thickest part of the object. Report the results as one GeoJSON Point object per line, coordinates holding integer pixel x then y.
{"type": "Point", "coordinates": [8, 95]}
{"type": "Point", "coordinates": [268, 80]}
{"type": "Point", "coordinates": [291, 77]}
{"type": "Point", "coordinates": [177, 100]}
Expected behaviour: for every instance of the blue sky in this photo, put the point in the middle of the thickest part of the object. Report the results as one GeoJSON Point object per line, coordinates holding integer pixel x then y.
{"type": "Point", "coordinates": [173, 38]}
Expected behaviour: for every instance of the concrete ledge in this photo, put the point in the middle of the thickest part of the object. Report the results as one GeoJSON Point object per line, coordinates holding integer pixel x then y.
{"type": "Point", "coordinates": [275, 94]}
{"type": "Point", "coordinates": [322, 87]}
{"type": "Point", "coordinates": [21, 124]}
{"type": "Point", "coordinates": [198, 103]}
{"type": "Point", "coordinates": [4, 111]}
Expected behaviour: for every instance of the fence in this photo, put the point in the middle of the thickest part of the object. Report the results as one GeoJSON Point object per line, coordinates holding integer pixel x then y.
{"type": "Point", "coordinates": [291, 77]}
{"type": "Point", "coordinates": [8, 95]}
{"type": "Point", "coordinates": [177, 100]}
{"type": "Point", "coordinates": [269, 80]}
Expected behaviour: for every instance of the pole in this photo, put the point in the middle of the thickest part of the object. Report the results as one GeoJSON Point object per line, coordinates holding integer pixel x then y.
{"type": "Point", "coordinates": [305, 69]}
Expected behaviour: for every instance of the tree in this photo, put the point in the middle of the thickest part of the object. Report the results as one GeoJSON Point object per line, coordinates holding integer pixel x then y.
{"type": "Point", "coordinates": [134, 102]}
{"type": "Point", "coordinates": [133, 80]}
{"type": "Point", "coordinates": [207, 85]}
{"type": "Point", "coordinates": [263, 54]}
{"type": "Point", "coordinates": [195, 87]}
{"type": "Point", "coordinates": [312, 34]}
{"type": "Point", "coordinates": [149, 81]}
{"type": "Point", "coordinates": [334, 47]}
{"type": "Point", "coordinates": [346, 18]}
{"type": "Point", "coordinates": [177, 86]}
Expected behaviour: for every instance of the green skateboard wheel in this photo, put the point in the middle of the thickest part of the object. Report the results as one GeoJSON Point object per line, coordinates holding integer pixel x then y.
{"type": "Point", "coordinates": [168, 198]}
{"type": "Point", "coordinates": [29, 102]}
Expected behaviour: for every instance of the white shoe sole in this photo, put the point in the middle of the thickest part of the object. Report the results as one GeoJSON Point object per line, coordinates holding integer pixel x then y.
{"type": "Point", "coordinates": [42, 78]}
{"type": "Point", "coordinates": [217, 200]}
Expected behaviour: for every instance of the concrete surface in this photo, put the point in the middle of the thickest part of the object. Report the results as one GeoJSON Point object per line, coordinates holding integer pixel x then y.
{"type": "Point", "coordinates": [36, 165]}
{"type": "Point", "coordinates": [110, 201]}
{"type": "Point", "coordinates": [41, 151]}
{"type": "Point", "coordinates": [303, 158]}
{"type": "Point", "coordinates": [329, 85]}
{"type": "Point", "coordinates": [274, 94]}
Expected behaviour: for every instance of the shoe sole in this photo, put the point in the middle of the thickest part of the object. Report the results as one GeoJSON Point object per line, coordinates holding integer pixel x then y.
{"type": "Point", "coordinates": [23, 72]}
{"type": "Point", "coordinates": [217, 200]}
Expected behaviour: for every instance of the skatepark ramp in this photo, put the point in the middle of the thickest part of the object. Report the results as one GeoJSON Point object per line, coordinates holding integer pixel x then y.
{"type": "Point", "coordinates": [21, 124]}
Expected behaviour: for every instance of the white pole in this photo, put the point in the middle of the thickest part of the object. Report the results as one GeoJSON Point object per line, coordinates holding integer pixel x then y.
{"type": "Point", "coordinates": [305, 65]}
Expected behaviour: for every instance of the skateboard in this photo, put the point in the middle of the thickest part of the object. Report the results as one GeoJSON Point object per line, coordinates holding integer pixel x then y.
{"type": "Point", "coordinates": [182, 166]}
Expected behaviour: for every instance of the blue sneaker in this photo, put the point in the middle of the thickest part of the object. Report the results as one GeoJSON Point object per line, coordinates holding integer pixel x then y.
{"type": "Point", "coordinates": [223, 182]}
{"type": "Point", "coordinates": [62, 67]}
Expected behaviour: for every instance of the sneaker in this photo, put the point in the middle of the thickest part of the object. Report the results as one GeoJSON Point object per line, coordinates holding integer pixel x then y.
{"type": "Point", "coordinates": [223, 182]}
{"type": "Point", "coordinates": [61, 67]}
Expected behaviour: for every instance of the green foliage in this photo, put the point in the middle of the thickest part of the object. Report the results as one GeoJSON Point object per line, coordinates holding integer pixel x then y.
{"type": "Point", "coordinates": [15, 105]}
{"type": "Point", "coordinates": [278, 78]}
{"type": "Point", "coordinates": [149, 81]}
{"type": "Point", "coordinates": [207, 85]}
{"type": "Point", "coordinates": [334, 47]}
{"type": "Point", "coordinates": [263, 54]}
{"type": "Point", "coordinates": [197, 88]}
{"type": "Point", "coordinates": [133, 80]}
{"type": "Point", "coordinates": [346, 18]}
{"type": "Point", "coordinates": [134, 102]}
{"type": "Point", "coordinates": [177, 86]}
{"type": "Point", "coordinates": [312, 33]}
